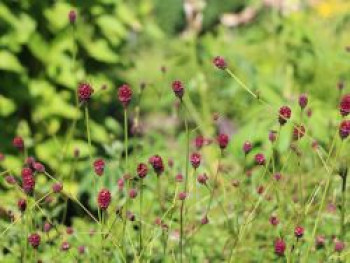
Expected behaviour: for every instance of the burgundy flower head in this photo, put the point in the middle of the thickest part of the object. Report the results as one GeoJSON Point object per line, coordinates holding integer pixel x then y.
{"type": "Point", "coordinates": [182, 196]}
{"type": "Point", "coordinates": [344, 106]}
{"type": "Point", "coordinates": [120, 183]}
{"type": "Point", "coordinates": [344, 129]}
{"type": "Point", "coordinates": [125, 94]}
{"type": "Point", "coordinates": [223, 140]}
{"type": "Point", "coordinates": [260, 159]}
{"type": "Point", "coordinates": [130, 215]}
{"type": "Point", "coordinates": [47, 227]}
{"type": "Point", "coordinates": [85, 92]}
{"type": "Point", "coordinates": [220, 62]}
{"type": "Point", "coordinates": [274, 220]}
{"type": "Point", "coordinates": [179, 178]}
{"type": "Point", "coordinates": [204, 220]}
{"type": "Point", "coordinates": [65, 246]}
{"type": "Point", "coordinates": [69, 230]}
{"type": "Point", "coordinates": [157, 163]}
{"type": "Point", "coordinates": [104, 198]}
{"type": "Point", "coordinates": [260, 190]}
{"type": "Point", "coordinates": [57, 187]}
{"type": "Point", "coordinates": [10, 179]}
{"type": "Point", "coordinates": [132, 193]}
{"type": "Point", "coordinates": [272, 136]}
{"type": "Point", "coordinates": [247, 147]}
{"type": "Point", "coordinates": [28, 181]}
{"type": "Point", "coordinates": [81, 249]}
{"type": "Point", "coordinates": [303, 100]}
{"type": "Point", "coordinates": [277, 176]}
{"type": "Point", "coordinates": [298, 132]}
{"type": "Point", "coordinates": [320, 242]}
{"type": "Point", "coordinates": [280, 247]}
{"type": "Point", "coordinates": [99, 166]}
{"type": "Point", "coordinates": [284, 114]}
{"type": "Point", "coordinates": [18, 143]}
{"type": "Point", "coordinates": [34, 240]}
{"type": "Point", "coordinates": [142, 170]}
{"type": "Point", "coordinates": [39, 167]}
{"type": "Point", "coordinates": [299, 232]}
{"type": "Point", "coordinates": [199, 142]}
{"type": "Point", "coordinates": [235, 182]}
{"type": "Point", "coordinates": [339, 246]}
{"type": "Point", "coordinates": [195, 160]}
{"type": "Point", "coordinates": [22, 205]}
{"type": "Point", "coordinates": [72, 16]}
{"type": "Point", "coordinates": [202, 179]}
{"type": "Point", "coordinates": [178, 88]}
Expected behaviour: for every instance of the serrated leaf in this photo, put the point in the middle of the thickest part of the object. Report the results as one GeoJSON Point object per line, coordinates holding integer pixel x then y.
{"type": "Point", "coordinates": [9, 62]}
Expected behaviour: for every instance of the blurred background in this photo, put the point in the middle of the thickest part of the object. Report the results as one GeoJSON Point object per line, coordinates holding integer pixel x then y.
{"type": "Point", "coordinates": [279, 48]}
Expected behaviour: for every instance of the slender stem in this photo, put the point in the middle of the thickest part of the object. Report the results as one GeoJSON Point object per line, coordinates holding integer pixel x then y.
{"type": "Point", "coordinates": [128, 183]}
{"type": "Point", "coordinates": [241, 83]}
{"type": "Point", "coordinates": [140, 230]}
{"type": "Point", "coordinates": [186, 183]}
{"type": "Point", "coordinates": [342, 220]}
{"type": "Point", "coordinates": [90, 154]}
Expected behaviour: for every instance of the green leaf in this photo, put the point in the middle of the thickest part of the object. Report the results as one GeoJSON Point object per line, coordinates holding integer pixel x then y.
{"type": "Point", "coordinates": [9, 62]}
{"type": "Point", "coordinates": [7, 106]}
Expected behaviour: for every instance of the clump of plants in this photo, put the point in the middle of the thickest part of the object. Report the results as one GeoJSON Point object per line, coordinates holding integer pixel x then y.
{"type": "Point", "coordinates": [189, 201]}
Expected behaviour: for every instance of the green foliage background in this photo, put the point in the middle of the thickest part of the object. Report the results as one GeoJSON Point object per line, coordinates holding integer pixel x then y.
{"type": "Point", "coordinates": [120, 41]}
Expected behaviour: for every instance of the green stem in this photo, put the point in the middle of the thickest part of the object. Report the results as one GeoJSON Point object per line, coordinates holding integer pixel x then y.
{"type": "Point", "coordinates": [140, 230]}
{"type": "Point", "coordinates": [342, 220]}
{"type": "Point", "coordinates": [128, 183]}
{"type": "Point", "coordinates": [186, 182]}
{"type": "Point", "coordinates": [87, 118]}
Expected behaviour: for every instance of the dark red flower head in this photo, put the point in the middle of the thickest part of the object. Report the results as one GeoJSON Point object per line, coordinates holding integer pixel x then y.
{"type": "Point", "coordinates": [130, 215]}
{"type": "Point", "coordinates": [28, 181]}
{"type": "Point", "coordinates": [344, 106]}
{"type": "Point", "coordinates": [99, 166]}
{"type": "Point", "coordinates": [34, 239]}
{"type": "Point", "coordinates": [57, 187]}
{"type": "Point", "coordinates": [284, 114]}
{"type": "Point", "coordinates": [157, 163]}
{"type": "Point", "coordinates": [277, 176]}
{"type": "Point", "coordinates": [274, 220]}
{"type": "Point", "coordinates": [22, 205]}
{"type": "Point", "coordinates": [81, 249]}
{"type": "Point", "coordinates": [72, 16]}
{"type": "Point", "coordinates": [260, 159]}
{"type": "Point", "coordinates": [65, 246]}
{"type": "Point", "coordinates": [125, 94]}
{"type": "Point", "coordinates": [280, 247]}
{"type": "Point", "coordinates": [142, 170]}
{"type": "Point", "coordinates": [120, 183]}
{"type": "Point", "coordinates": [344, 129]}
{"type": "Point", "coordinates": [199, 141]}
{"type": "Point", "coordinates": [39, 167]}
{"type": "Point", "coordinates": [47, 227]}
{"type": "Point", "coordinates": [247, 147]}
{"type": "Point", "coordinates": [303, 100]}
{"type": "Point", "coordinates": [339, 246]}
{"type": "Point", "coordinates": [132, 193]}
{"type": "Point", "coordinates": [18, 143]}
{"type": "Point", "coordinates": [178, 88]}
{"type": "Point", "coordinates": [223, 140]}
{"type": "Point", "coordinates": [272, 136]}
{"type": "Point", "coordinates": [104, 198]}
{"type": "Point", "coordinates": [10, 179]}
{"type": "Point", "coordinates": [195, 160]}
{"type": "Point", "coordinates": [298, 132]}
{"type": "Point", "coordinates": [202, 178]}
{"type": "Point", "coordinates": [204, 220]}
{"type": "Point", "coordinates": [299, 232]}
{"type": "Point", "coordinates": [85, 92]}
{"type": "Point", "coordinates": [69, 230]}
{"type": "Point", "coordinates": [179, 178]}
{"type": "Point", "coordinates": [320, 242]}
{"type": "Point", "coordinates": [182, 196]}
{"type": "Point", "coordinates": [220, 62]}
